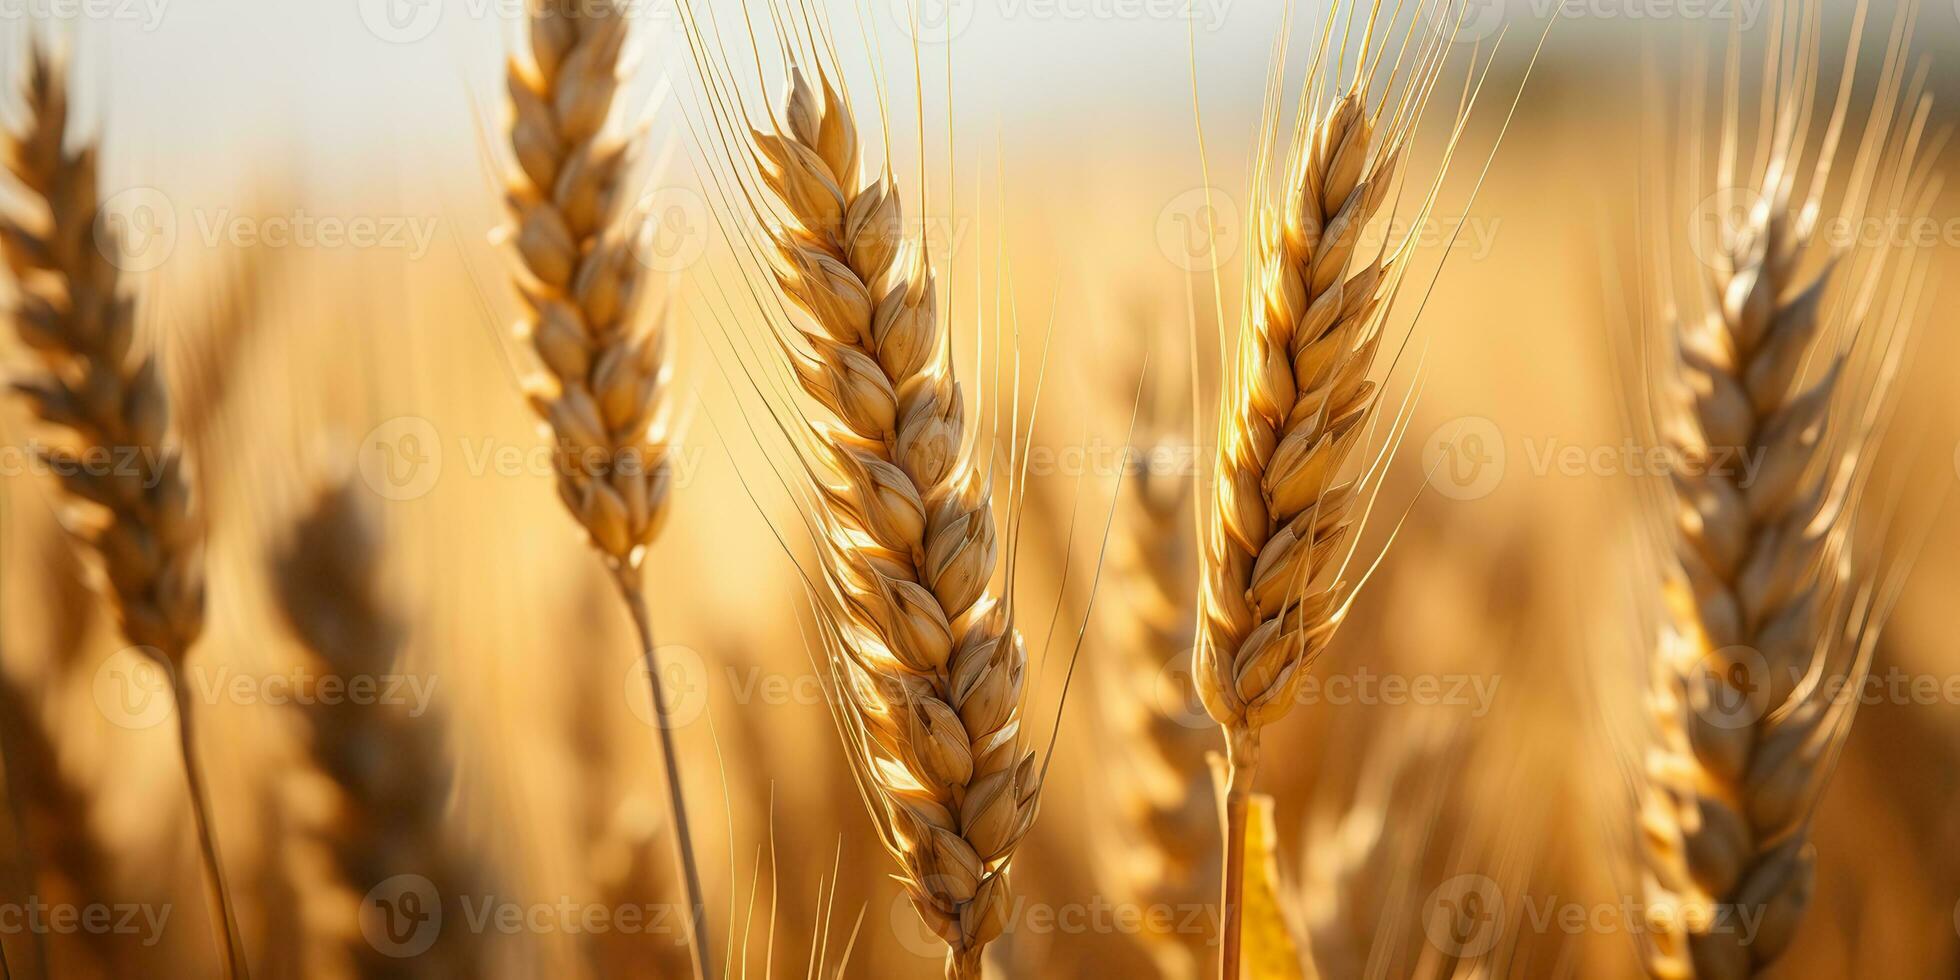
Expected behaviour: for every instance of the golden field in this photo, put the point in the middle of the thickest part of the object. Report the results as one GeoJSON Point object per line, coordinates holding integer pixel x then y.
{"type": "Point", "coordinates": [315, 200]}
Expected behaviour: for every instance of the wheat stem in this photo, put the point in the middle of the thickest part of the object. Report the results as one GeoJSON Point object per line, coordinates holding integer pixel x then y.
{"type": "Point", "coordinates": [223, 921]}
{"type": "Point", "coordinates": [676, 801]}
{"type": "Point", "coordinates": [1242, 761]}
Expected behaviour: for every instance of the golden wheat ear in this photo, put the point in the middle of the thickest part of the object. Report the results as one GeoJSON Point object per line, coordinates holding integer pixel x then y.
{"type": "Point", "coordinates": [1287, 508]}
{"type": "Point", "coordinates": [601, 345]}
{"type": "Point", "coordinates": [1162, 823]}
{"type": "Point", "coordinates": [138, 519]}
{"type": "Point", "coordinates": [371, 804]}
{"type": "Point", "coordinates": [920, 640]}
{"type": "Point", "coordinates": [1775, 584]}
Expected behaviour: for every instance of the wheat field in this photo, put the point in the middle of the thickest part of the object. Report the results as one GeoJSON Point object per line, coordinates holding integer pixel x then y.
{"type": "Point", "coordinates": [979, 488]}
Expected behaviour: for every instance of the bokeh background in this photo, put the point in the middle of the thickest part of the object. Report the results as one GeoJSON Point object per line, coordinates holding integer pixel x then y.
{"type": "Point", "coordinates": [314, 190]}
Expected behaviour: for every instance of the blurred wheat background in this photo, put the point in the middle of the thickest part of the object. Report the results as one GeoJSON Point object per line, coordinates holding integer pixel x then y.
{"type": "Point", "coordinates": [318, 186]}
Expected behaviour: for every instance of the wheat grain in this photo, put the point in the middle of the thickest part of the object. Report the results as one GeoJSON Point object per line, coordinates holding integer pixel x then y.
{"type": "Point", "coordinates": [1764, 603]}
{"type": "Point", "coordinates": [372, 800]}
{"type": "Point", "coordinates": [137, 514]}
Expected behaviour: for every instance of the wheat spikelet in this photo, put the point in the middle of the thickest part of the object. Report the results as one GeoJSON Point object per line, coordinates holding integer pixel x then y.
{"type": "Point", "coordinates": [1764, 602]}
{"type": "Point", "coordinates": [137, 514]}
{"type": "Point", "coordinates": [604, 356]}
{"type": "Point", "coordinates": [372, 801]}
{"type": "Point", "coordinates": [1297, 403]}
{"type": "Point", "coordinates": [1162, 852]}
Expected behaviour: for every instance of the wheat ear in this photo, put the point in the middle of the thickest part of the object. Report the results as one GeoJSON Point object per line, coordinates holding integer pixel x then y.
{"type": "Point", "coordinates": [1161, 851]}
{"type": "Point", "coordinates": [602, 393]}
{"type": "Point", "coordinates": [936, 667]}
{"type": "Point", "coordinates": [374, 796]}
{"type": "Point", "coordinates": [1297, 403]}
{"type": "Point", "coordinates": [1765, 605]}
{"type": "Point", "coordinates": [929, 665]}
{"type": "Point", "coordinates": [137, 516]}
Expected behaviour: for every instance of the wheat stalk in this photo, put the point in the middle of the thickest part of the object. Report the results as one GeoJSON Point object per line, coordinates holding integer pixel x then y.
{"type": "Point", "coordinates": [138, 514]}
{"type": "Point", "coordinates": [602, 393]}
{"type": "Point", "coordinates": [1297, 403]}
{"type": "Point", "coordinates": [1771, 409]}
{"type": "Point", "coordinates": [373, 799]}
